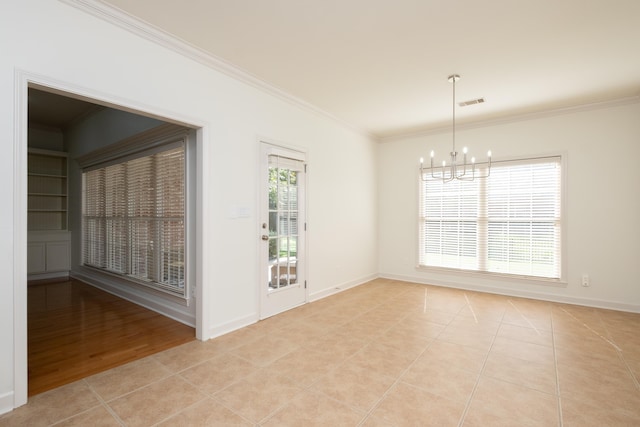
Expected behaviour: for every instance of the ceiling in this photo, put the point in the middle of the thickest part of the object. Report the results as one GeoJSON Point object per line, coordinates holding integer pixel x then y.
{"type": "Point", "coordinates": [382, 65]}
{"type": "Point", "coordinates": [56, 111]}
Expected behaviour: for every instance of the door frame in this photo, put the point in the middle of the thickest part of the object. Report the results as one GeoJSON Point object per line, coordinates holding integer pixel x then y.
{"type": "Point", "coordinates": [23, 81]}
{"type": "Point", "coordinates": [300, 154]}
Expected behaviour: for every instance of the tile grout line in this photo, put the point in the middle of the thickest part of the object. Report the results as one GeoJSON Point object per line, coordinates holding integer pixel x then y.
{"type": "Point", "coordinates": [633, 376]}
{"type": "Point", "coordinates": [618, 350]}
{"type": "Point", "coordinates": [321, 394]}
{"type": "Point", "coordinates": [395, 382]}
{"type": "Point", "coordinates": [471, 308]}
{"type": "Point", "coordinates": [225, 405]}
{"type": "Point", "coordinates": [475, 386]}
{"type": "Point", "coordinates": [524, 317]}
{"type": "Point", "coordinates": [215, 398]}
{"type": "Point", "coordinates": [590, 329]}
{"type": "Point", "coordinates": [128, 393]}
{"type": "Point", "coordinates": [555, 365]}
{"type": "Point", "coordinates": [310, 387]}
{"type": "Point", "coordinates": [620, 353]}
{"type": "Point", "coordinates": [180, 411]}
{"type": "Point", "coordinates": [112, 412]}
{"type": "Point", "coordinates": [105, 404]}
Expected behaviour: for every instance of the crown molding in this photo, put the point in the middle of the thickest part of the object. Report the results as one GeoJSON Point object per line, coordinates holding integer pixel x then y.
{"type": "Point", "coordinates": [122, 19]}
{"type": "Point", "coordinates": [597, 105]}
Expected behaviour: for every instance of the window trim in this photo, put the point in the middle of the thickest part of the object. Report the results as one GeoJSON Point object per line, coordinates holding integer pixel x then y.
{"type": "Point", "coordinates": [562, 281]}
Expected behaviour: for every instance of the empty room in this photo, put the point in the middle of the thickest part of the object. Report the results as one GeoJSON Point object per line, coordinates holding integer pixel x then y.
{"type": "Point", "coordinates": [391, 213]}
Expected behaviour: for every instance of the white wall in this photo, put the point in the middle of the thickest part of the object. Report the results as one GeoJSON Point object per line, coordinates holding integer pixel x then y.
{"type": "Point", "coordinates": [602, 146]}
{"type": "Point", "coordinates": [53, 42]}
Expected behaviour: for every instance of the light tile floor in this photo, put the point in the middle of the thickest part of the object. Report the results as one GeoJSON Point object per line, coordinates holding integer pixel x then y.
{"type": "Point", "coordinates": [386, 353]}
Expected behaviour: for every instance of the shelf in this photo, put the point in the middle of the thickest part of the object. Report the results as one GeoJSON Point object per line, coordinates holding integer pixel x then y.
{"type": "Point", "coordinates": [48, 175]}
{"type": "Point", "coordinates": [46, 195]}
{"type": "Point", "coordinates": [46, 210]}
{"type": "Point", "coordinates": [47, 153]}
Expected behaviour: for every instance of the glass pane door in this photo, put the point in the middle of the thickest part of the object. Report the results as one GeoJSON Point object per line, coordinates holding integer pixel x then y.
{"type": "Point", "coordinates": [282, 230]}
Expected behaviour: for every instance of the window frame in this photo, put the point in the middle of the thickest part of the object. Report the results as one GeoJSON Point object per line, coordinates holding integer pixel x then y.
{"type": "Point", "coordinates": [510, 278]}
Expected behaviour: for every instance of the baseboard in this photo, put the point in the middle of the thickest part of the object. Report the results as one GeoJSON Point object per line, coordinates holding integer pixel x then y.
{"type": "Point", "coordinates": [6, 402]}
{"type": "Point", "coordinates": [233, 325]}
{"type": "Point", "coordinates": [44, 277]}
{"type": "Point", "coordinates": [544, 296]}
{"type": "Point", "coordinates": [339, 288]}
{"type": "Point", "coordinates": [57, 279]}
{"type": "Point", "coordinates": [174, 311]}
{"type": "Point", "coordinates": [250, 319]}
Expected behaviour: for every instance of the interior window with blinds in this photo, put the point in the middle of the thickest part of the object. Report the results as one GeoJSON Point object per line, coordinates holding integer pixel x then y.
{"type": "Point", "coordinates": [134, 218]}
{"type": "Point", "coordinates": [508, 223]}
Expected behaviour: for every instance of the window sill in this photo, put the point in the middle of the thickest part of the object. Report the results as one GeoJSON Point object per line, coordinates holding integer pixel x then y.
{"type": "Point", "coordinates": [112, 278]}
{"type": "Point", "coordinates": [511, 278]}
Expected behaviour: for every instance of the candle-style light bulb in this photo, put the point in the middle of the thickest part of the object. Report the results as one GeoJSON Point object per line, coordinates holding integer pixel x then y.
{"type": "Point", "coordinates": [464, 150]}
{"type": "Point", "coordinates": [421, 160]}
{"type": "Point", "coordinates": [444, 162]}
{"type": "Point", "coordinates": [473, 160]}
{"type": "Point", "coordinates": [432, 153]}
{"type": "Point", "coordinates": [489, 153]}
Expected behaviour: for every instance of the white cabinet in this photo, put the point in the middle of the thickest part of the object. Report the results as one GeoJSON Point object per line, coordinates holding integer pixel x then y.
{"type": "Point", "coordinates": [57, 256]}
{"type": "Point", "coordinates": [36, 257]}
{"type": "Point", "coordinates": [48, 255]}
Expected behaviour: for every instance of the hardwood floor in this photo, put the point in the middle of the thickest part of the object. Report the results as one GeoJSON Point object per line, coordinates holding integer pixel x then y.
{"type": "Point", "coordinates": [76, 330]}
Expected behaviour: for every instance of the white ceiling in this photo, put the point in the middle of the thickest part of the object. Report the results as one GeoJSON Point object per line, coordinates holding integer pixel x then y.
{"type": "Point", "coordinates": [382, 65]}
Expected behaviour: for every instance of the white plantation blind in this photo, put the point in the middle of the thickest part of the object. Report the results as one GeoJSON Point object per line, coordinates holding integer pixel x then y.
{"type": "Point", "coordinates": [133, 218]}
{"type": "Point", "coordinates": [508, 223]}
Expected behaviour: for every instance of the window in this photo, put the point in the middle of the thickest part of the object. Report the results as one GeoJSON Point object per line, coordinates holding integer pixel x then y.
{"type": "Point", "coordinates": [134, 217]}
{"type": "Point", "coordinates": [508, 223]}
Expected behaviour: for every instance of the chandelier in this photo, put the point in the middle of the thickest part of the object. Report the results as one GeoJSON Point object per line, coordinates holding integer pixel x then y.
{"type": "Point", "coordinates": [448, 172]}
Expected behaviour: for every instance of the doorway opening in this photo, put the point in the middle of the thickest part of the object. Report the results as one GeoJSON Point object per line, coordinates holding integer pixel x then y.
{"type": "Point", "coordinates": [64, 297]}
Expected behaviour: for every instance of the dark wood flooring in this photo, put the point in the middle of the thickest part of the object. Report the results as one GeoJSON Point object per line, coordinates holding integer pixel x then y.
{"type": "Point", "coordinates": [76, 330]}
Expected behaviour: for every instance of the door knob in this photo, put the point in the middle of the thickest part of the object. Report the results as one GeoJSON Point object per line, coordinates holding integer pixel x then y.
{"type": "Point", "coordinates": [265, 237]}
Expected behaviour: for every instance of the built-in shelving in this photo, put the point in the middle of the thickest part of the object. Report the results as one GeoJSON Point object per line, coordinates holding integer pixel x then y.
{"type": "Point", "coordinates": [47, 190]}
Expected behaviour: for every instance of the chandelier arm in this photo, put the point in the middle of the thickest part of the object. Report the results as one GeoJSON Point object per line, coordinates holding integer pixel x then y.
{"type": "Point", "coordinates": [479, 175]}
{"type": "Point", "coordinates": [443, 174]}
{"type": "Point", "coordinates": [470, 178]}
{"type": "Point", "coordinates": [488, 169]}
{"type": "Point", "coordinates": [464, 168]}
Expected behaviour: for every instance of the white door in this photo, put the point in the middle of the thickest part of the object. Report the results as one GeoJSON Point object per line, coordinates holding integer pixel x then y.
{"type": "Point", "coordinates": [282, 230]}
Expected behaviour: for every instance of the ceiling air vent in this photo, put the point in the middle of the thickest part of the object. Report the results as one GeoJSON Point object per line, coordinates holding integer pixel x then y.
{"type": "Point", "coordinates": [471, 102]}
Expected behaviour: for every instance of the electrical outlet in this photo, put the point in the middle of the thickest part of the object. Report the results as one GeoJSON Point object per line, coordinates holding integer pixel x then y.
{"type": "Point", "coordinates": [585, 280]}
